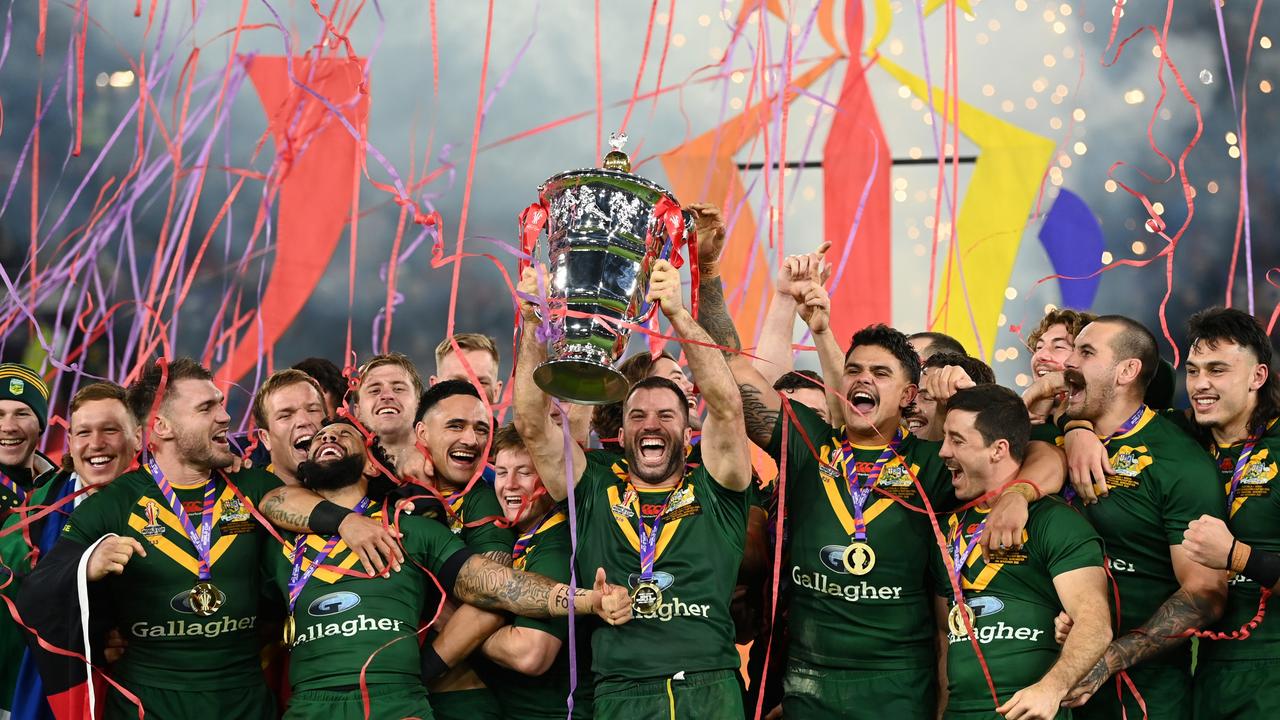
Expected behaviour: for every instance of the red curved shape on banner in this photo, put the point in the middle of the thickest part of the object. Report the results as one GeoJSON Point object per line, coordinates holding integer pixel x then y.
{"type": "Point", "coordinates": [856, 148]}
{"type": "Point", "coordinates": [317, 157]}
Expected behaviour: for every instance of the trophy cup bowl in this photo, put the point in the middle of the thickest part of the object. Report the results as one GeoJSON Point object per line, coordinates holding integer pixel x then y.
{"type": "Point", "coordinates": [602, 240]}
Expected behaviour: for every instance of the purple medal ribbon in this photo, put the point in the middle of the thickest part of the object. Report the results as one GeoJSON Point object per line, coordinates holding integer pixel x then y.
{"type": "Point", "coordinates": [1243, 460]}
{"type": "Point", "coordinates": [13, 487]}
{"type": "Point", "coordinates": [1069, 492]}
{"type": "Point", "coordinates": [199, 540]}
{"type": "Point", "coordinates": [298, 578]}
{"type": "Point", "coordinates": [958, 559]}
{"type": "Point", "coordinates": [522, 542]}
{"type": "Point", "coordinates": [858, 492]}
{"type": "Point", "coordinates": [649, 536]}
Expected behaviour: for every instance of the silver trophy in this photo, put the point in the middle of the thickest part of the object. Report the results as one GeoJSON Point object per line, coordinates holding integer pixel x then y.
{"type": "Point", "coordinates": [605, 228]}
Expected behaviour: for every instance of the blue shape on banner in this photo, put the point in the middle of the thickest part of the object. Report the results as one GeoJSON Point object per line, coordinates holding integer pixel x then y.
{"type": "Point", "coordinates": [1072, 237]}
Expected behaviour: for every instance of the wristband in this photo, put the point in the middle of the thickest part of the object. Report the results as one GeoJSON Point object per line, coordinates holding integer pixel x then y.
{"type": "Point", "coordinates": [326, 517]}
{"type": "Point", "coordinates": [1231, 555]}
{"type": "Point", "coordinates": [1077, 425]}
{"type": "Point", "coordinates": [1263, 568]}
{"type": "Point", "coordinates": [1013, 488]}
{"type": "Point", "coordinates": [433, 666]}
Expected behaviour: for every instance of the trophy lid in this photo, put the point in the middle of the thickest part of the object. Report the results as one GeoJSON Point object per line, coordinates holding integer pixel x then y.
{"type": "Point", "coordinates": [616, 159]}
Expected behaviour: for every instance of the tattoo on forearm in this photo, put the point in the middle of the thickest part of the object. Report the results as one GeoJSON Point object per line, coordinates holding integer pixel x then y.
{"type": "Point", "coordinates": [757, 416]}
{"type": "Point", "coordinates": [273, 509]}
{"type": "Point", "coordinates": [1182, 611]}
{"type": "Point", "coordinates": [490, 586]}
{"type": "Point", "coordinates": [713, 316]}
{"type": "Point", "coordinates": [502, 558]}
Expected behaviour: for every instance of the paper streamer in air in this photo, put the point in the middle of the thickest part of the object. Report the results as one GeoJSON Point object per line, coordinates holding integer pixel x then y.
{"type": "Point", "coordinates": [992, 218]}
{"type": "Point", "coordinates": [316, 162]}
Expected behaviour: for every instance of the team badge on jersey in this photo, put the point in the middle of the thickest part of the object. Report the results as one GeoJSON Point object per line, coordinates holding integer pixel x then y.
{"type": "Point", "coordinates": [896, 480]}
{"type": "Point", "coordinates": [1256, 476]}
{"type": "Point", "coordinates": [153, 529]}
{"type": "Point", "coordinates": [235, 518]}
{"type": "Point", "coordinates": [1129, 462]}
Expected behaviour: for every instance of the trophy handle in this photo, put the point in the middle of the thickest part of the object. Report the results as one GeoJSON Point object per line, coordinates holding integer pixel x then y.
{"type": "Point", "coordinates": [678, 225]}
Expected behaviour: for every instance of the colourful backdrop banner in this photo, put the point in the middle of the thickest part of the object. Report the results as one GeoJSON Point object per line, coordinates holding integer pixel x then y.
{"type": "Point", "coordinates": [1001, 191]}
{"type": "Point", "coordinates": [1073, 240]}
{"type": "Point", "coordinates": [315, 171]}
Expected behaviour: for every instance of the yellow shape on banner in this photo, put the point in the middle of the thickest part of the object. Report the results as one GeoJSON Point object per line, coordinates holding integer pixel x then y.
{"type": "Point", "coordinates": [884, 20]}
{"type": "Point", "coordinates": [1006, 177]}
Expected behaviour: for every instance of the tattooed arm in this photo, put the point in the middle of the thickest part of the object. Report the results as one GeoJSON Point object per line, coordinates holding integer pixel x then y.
{"type": "Point", "coordinates": [488, 585]}
{"type": "Point", "coordinates": [1197, 603]}
{"type": "Point", "coordinates": [290, 507]}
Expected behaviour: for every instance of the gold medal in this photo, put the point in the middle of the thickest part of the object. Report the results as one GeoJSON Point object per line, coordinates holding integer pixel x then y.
{"type": "Point", "coordinates": [646, 598]}
{"type": "Point", "coordinates": [290, 631]}
{"type": "Point", "coordinates": [204, 598]}
{"type": "Point", "coordinates": [956, 620]}
{"type": "Point", "coordinates": [859, 558]}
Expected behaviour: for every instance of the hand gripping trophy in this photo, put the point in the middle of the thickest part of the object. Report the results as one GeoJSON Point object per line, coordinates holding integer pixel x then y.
{"type": "Point", "coordinates": [605, 228]}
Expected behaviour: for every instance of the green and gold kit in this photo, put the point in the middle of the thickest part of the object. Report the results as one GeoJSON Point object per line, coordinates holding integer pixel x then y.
{"type": "Point", "coordinates": [342, 620]}
{"type": "Point", "coordinates": [1012, 599]}
{"type": "Point", "coordinates": [170, 646]}
{"type": "Point", "coordinates": [860, 615]}
{"type": "Point", "coordinates": [698, 552]}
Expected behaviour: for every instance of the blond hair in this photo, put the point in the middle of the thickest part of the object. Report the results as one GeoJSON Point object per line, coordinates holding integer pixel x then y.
{"type": "Point", "coordinates": [392, 358]}
{"type": "Point", "coordinates": [467, 341]}
{"type": "Point", "coordinates": [278, 381]}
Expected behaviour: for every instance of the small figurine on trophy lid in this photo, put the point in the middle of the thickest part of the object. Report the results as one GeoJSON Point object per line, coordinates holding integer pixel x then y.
{"type": "Point", "coordinates": [605, 228]}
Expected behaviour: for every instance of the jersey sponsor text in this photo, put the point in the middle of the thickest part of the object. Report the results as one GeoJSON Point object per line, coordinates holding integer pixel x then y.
{"type": "Point", "coordinates": [852, 592]}
{"type": "Point", "coordinates": [188, 628]}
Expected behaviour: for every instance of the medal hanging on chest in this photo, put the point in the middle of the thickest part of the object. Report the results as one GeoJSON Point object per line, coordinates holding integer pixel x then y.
{"type": "Point", "coordinates": [646, 598]}
{"type": "Point", "coordinates": [858, 557]}
{"type": "Point", "coordinates": [204, 598]}
{"type": "Point", "coordinates": [961, 617]}
{"type": "Point", "coordinates": [298, 577]}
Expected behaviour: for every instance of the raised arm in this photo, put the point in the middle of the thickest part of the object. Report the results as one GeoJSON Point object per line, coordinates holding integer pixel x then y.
{"type": "Point", "coordinates": [486, 584]}
{"type": "Point", "coordinates": [544, 438]}
{"type": "Point", "coordinates": [724, 437]}
{"type": "Point", "coordinates": [774, 355]}
{"type": "Point", "coordinates": [1083, 593]}
{"type": "Point", "coordinates": [1197, 603]}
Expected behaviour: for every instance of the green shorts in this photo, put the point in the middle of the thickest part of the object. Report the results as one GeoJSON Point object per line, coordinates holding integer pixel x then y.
{"type": "Point", "coordinates": [250, 703]}
{"type": "Point", "coordinates": [1165, 689]}
{"type": "Point", "coordinates": [814, 691]}
{"type": "Point", "coordinates": [386, 702]}
{"type": "Point", "coordinates": [477, 704]}
{"type": "Point", "coordinates": [1237, 689]}
{"type": "Point", "coordinates": [709, 695]}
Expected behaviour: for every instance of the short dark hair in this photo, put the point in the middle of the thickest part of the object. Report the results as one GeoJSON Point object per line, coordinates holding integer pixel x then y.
{"type": "Point", "coordinates": [979, 372]}
{"type": "Point", "coordinates": [1134, 341]}
{"type": "Point", "coordinates": [799, 380]}
{"type": "Point", "coordinates": [890, 339]}
{"type": "Point", "coordinates": [656, 382]}
{"type": "Point", "coordinates": [325, 372]}
{"type": "Point", "coordinates": [1218, 324]}
{"type": "Point", "coordinates": [1001, 415]}
{"type": "Point", "coordinates": [440, 391]}
{"type": "Point", "coordinates": [606, 420]}
{"type": "Point", "coordinates": [141, 394]}
{"type": "Point", "coordinates": [940, 342]}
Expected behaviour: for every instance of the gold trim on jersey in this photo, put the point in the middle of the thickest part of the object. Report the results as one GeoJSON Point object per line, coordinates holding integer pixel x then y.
{"type": "Point", "coordinates": [1255, 478]}
{"type": "Point", "coordinates": [552, 521]}
{"type": "Point", "coordinates": [316, 543]}
{"type": "Point", "coordinates": [838, 504]}
{"type": "Point", "coordinates": [989, 570]}
{"type": "Point", "coordinates": [682, 496]}
{"type": "Point", "coordinates": [165, 515]}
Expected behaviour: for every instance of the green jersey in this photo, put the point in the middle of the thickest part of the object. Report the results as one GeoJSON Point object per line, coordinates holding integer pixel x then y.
{"type": "Point", "coordinates": [699, 549]}
{"type": "Point", "coordinates": [169, 646]}
{"type": "Point", "coordinates": [548, 552]}
{"type": "Point", "coordinates": [470, 510]}
{"type": "Point", "coordinates": [1254, 519]}
{"type": "Point", "coordinates": [342, 620]}
{"type": "Point", "coordinates": [1163, 481]}
{"type": "Point", "coordinates": [1013, 600]}
{"type": "Point", "coordinates": [876, 619]}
